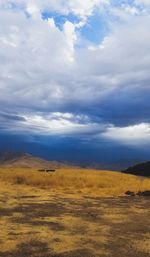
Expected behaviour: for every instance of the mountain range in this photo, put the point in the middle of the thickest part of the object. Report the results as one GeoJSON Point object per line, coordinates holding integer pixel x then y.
{"type": "Point", "coordinates": [26, 160]}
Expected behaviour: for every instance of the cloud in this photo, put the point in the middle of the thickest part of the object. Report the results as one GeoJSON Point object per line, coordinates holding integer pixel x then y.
{"type": "Point", "coordinates": [142, 2]}
{"type": "Point", "coordinates": [55, 123]}
{"type": "Point", "coordinates": [48, 70]}
{"type": "Point", "coordinates": [136, 135]}
{"type": "Point", "coordinates": [80, 8]}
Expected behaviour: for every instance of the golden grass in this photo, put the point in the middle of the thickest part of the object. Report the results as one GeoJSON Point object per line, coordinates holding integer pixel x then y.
{"type": "Point", "coordinates": [143, 245]}
{"type": "Point", "coordinates": [70, 239]}
{"type": "Point", "coordinates": [76, 181]}
{"type": "Point", "coordinates": [69, 184]}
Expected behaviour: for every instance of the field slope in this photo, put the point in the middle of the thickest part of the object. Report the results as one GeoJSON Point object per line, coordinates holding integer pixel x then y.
{"type": "Point", "coordinates": [76, 180]}
{"type": "Point", "coordinates": [72, 213]}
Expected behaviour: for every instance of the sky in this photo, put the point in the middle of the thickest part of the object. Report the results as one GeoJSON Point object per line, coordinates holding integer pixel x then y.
{"type": "Point", "coordinates": [75, 79]}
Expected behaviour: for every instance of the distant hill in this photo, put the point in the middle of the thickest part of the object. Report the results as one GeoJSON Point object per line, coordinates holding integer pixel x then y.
{"type": "Point", "coordinates": [141, 169]}
{"type": "Point", "coordinates": [25, 160]}
{"type": "Point", "coordinates": [114, 166]}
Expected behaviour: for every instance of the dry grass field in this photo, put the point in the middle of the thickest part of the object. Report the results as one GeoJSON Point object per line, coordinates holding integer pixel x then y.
{"type": "Point", "coordinates": [76, 181]}
{"type": "Point", "coordinates": [73, 213]}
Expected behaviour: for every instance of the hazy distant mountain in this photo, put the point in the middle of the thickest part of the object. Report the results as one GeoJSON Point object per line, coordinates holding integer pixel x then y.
{"type": "Point", "coordinates": [141, 169]}
{"type": "Point", "coordinates": [25, 160]}
{"type": "Point", "coordinates": [15, 159]}
{"type": "Point", "coordinates": [116, 166]}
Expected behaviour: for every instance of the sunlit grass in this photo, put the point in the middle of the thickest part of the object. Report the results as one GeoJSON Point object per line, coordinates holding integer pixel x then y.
{"type": "Point", "coordinates": [75, 180]}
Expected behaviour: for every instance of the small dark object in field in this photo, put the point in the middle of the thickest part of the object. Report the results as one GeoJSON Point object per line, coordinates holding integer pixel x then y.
{"type": "Point", "coordinates": [47, 170]}
{"type": "Point", "coordinates": [130, 193]}
{"type": "Point", "coordinates": [19, 180]}
{"type": "Point", "coordinates": [144, 193]}
{"type": "Point", "coordinates": [50, 170]}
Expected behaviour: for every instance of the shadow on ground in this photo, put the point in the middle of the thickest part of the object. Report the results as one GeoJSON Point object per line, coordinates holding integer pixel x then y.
{"type": "Point", "coordinates": [67, 227]}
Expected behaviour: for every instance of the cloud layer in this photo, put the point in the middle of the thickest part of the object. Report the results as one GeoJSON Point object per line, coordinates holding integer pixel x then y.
{"type": "Point", "coordinates": [54, 81]}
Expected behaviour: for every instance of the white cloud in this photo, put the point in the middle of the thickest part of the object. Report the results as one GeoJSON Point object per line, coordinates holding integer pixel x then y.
{"type": "Point", "coordinates": [55, 123]}
{"type": "Point", "coordinates": [33, 9]}
{"type": "Point", "coordinates": [85, 8]}
{"type": "Point", "coordinates": [36, 68]}
{"type": "Point", "coordinates": [125, 12]}
{"type": "Point", "coordinates": [132, 135]}
{"type": "Point", "coordinates": [142, 2]}
{"type": "Point", "coordinates": [32, 55]}
{"type": "Point", "coordinates": [80, 8]}
{"type": "Point", "coordinates": [70, 35]}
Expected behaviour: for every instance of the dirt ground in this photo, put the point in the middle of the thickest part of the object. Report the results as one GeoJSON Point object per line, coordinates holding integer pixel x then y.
{"type": "Point", "coordinates": [57, 225]}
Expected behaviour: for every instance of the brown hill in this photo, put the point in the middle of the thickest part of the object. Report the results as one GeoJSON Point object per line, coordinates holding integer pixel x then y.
{"type": "Point", "coordinates": [25, 160]}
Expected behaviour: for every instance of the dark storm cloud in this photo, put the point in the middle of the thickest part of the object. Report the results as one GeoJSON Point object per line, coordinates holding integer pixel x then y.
{"type": "Point", "coordinates": [4, 116]}
{"type": "Point", "coordinates": [9, 121]}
